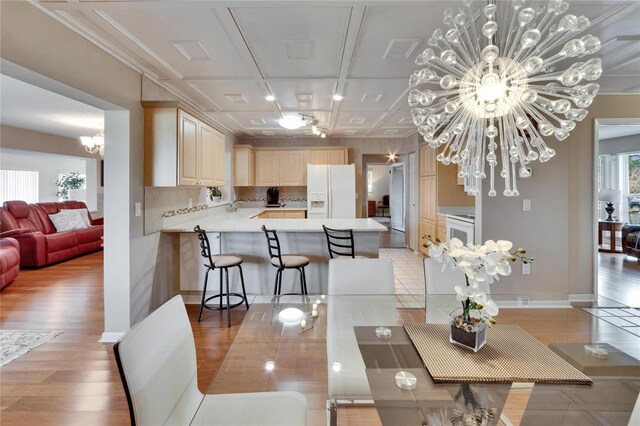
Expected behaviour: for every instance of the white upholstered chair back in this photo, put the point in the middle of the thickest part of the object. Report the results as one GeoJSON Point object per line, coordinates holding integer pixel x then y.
{"type": "Point", "coordinates": [361, 276]}
{"type": "Point", "coordinates": [157, 359]}
{"type": "Point", "coordinates": [373, 304]}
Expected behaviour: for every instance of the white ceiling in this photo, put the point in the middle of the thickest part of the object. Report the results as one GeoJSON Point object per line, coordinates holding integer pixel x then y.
{"type": "Point", "coordinates": [225, 56]}
{"type": "Point", "coordinates": [29, 107]}
{"type": "Point", "coordinates": [611, 131]}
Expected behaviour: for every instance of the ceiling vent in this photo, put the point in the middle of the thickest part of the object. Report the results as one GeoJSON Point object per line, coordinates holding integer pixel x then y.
{"type": "Point", "coordinates": [357, 120]}
{"type": "Point", "coordinates": [268, 132]}
{"type": "Point", "coordinates": [257, 121]}
{"type": "Point", "coordinates": [192, 50]}
{"type": "Point", "coordinates": [350, 132]}
{"type": "Point", "coordinates": [304, 98]}
{"type": "Point", "coordinates": [401, 48]}
{"type": "Point", "coordinates": [390, 132]}
{"type": "Point", "coordinates": [236, 99]}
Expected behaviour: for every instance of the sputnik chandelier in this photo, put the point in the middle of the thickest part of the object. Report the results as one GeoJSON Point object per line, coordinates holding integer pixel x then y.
{"type": "Point", "coordinates": [495, 83]}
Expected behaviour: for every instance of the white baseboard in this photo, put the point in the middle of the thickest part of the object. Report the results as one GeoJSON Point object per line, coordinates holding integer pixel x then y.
{"type": "Point", "coordinates": [110, 337]}
{"type": "Point", "coordinates": [589, 297]}
{"type": "Point", "coordinates": [533, 304]}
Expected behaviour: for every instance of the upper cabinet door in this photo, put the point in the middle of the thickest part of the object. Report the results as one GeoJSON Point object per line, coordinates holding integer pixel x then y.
{"type": "Point", "coordinates": [243, 166]}
{"type": "Point", "coordinates": [336, 157]}
{"type": "Point", "coordinates": [292, 168]}
{"type": "Point", "coordinates": [428, 165]}
{"type": "Point", "coordinates": [187, 149]}
{"type": "Point", "coordinates": [267, 168]}
{"type": "Point", "coordinates": [218, 159]}
{"type": "Point", "coordinates": [318, 157]}
{"type": "Point", "coordinates": [207, 155]}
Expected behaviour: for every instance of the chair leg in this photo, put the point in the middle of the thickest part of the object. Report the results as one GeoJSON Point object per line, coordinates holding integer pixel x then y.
{"type": "Point", "coordinates": [226, 273]}
{"type": "Point", "coordinates": [244, 293]}
{"type": "Point", "coordinates": [220, 288]}
{"type": "Point", "coordinates": [280, 282]}
{"type": "Point", "coordinates": [204, 292]}
{"type": "Point", "coordinates": [304, 279]}
{"type": "Point", "coordinates": [275, 286]}
{"type": "Point", "coordinates": [301, 281]}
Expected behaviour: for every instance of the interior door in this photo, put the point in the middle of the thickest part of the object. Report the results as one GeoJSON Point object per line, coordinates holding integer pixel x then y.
{"type": "Point", "coordinates": [396, 196]}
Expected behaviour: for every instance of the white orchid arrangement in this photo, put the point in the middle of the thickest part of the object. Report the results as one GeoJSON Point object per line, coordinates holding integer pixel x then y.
{"type": "Point", "coordinates": [481, 264]}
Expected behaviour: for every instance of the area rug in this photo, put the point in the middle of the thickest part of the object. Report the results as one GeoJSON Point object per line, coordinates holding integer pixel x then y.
{"type": "Point", "coordinates": [15, 343]}
{"type": "Point", "coordinates": [510, 355]}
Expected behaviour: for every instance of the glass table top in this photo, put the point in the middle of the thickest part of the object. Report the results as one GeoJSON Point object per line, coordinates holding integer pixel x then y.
{"type": "Point", "coordinates": [327, 348]}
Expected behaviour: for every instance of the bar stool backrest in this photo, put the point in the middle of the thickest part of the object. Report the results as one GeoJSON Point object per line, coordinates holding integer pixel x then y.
{"type": "Point", "coordinates": [204, 245]}
{"type": "Point", "coordinates": [340, 242]}
{"type": "Point", "coordinates": [273, 243]}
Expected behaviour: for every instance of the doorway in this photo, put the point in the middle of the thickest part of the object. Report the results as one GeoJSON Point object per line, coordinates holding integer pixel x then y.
{"type": "Point", "coordinates": [616, 211]}
{"type": "Point", "coordinates": [397, 196]}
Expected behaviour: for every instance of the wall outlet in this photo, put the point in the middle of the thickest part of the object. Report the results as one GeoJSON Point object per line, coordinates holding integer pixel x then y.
{"type": "Point", "coordinates": [137, 209]}
{"type": "Point", "coordinates": [190, 202]}
{"type": "Point", "coordinates": [526, 205]}
{"type": "Point", "coordinates": [524, 300]}
{"type": "Point", "coordinates": [526, 269]}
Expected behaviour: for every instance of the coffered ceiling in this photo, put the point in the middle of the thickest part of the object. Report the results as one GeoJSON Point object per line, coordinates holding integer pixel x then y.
{"type": "Point", "coordinates": [224, 57]}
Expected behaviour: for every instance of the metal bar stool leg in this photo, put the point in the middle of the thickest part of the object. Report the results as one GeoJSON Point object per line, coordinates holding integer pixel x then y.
{"type": "Point", "coordinates": [301, 280]}
{"type": "Point", "coordinates": [226, 273]}
{"type": "Point", "coordinates": [275, 286]}
{"type": "Point", "coordinates": [204, 292]}
{"type": "Point", "coordinates": [280, 282]}
{"type": "Point", "coordinates": [304, 278]}
{"type": "Point", "coordinates": [220, 288]}
{"type": "Point", "coordinates": [244, 293]}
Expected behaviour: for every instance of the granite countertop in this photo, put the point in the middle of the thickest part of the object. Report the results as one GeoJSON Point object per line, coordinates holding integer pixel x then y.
{"type": "Point", "coordinates": [245, 220]}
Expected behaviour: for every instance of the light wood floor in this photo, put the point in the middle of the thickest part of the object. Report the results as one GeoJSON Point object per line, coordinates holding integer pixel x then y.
{"type": "Point", "coordinates": [73, 379]}
{"type": "Point", "coordinates": [619, 278]}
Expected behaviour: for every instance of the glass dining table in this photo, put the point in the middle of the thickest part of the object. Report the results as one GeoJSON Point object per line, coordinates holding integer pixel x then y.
{"type": "Point", "coordinates": [346, 353]}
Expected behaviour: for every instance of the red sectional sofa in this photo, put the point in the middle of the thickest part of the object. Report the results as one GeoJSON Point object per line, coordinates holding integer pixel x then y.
{"type": "Point", "coordinates": [9, 261]}
{"type": "Point", "coordinates": [40, 243]}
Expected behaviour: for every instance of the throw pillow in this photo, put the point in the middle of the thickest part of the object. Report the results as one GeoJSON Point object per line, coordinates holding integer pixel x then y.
{"type": "Point", "coordinates": [84, 213]}
{"type": "Point", "coordinates": [67, 220]}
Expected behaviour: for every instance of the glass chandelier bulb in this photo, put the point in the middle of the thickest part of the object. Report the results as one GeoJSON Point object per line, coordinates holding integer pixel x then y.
{"type": "Point", "coordinates": [497, 100]}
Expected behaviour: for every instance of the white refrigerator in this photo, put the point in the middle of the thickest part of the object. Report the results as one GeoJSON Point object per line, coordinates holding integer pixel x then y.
{"type": "Point", "coordinates": [331, 192]}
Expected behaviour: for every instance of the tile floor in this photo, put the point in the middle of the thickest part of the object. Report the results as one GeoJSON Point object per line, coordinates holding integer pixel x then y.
{"type": "Point", "coordinates": [409, 276]}
{"type": "Point", "coordinates": [627, 319]}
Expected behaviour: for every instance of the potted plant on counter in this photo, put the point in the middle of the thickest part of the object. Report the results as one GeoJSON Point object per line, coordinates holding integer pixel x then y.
{"type": "Point", "coordinates": [215, 194]}
{"type": "Point", "coordinates": [481, 264]}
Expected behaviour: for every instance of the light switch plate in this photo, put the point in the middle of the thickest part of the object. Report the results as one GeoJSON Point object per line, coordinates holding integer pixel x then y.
{"type": "Point", "coordinates": [190, 202]}
{"type": "Point", "coordinates": [526, 269]}
{"type": "Point", "coordinates": [138, 209]}
{"type": "Point", "coordinates": [526, 205]}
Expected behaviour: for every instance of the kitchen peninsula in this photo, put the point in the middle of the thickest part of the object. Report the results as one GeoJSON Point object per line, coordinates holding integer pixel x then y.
{"type": "Point", "coordinates": [240, 233]}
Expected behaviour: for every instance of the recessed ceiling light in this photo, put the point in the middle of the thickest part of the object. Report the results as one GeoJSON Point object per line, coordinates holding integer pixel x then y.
{"type": "Point", "coordinates": [270, 98]}
{"type": "Point", "coordinates": [338, 97]}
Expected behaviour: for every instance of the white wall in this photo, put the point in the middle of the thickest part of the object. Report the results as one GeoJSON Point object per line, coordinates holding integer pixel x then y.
{"type": "Point", "coordinates": [49, 167]}
{"type": "Point", "coordinates": [380, 180]}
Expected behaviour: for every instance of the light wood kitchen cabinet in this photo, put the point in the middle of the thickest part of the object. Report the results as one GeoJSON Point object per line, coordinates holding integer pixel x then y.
{"type": "Point", "coordinates": [218, 159]}
{"type": "Point", "coordinates": [206, 155]}
{"type": "Point", "coordinates": [428, 211]}
{"type": "Point", "coordinates": [442, 227]}
{"type": "Point", "coordinates": [336, 157]}
{"type": "Point", "coordinates": [243, 165]}
{"type": "Point", "coordinates": [267, 168]}
{"type": "Point", "coordinates": [428, 164]}
{"type": "Point", "coordinates": [283, 214]}
{"type": "Point", "coordinates": [293, 169]}
{"type": "Point", "coordinates": [295, 214]}
{"type": "Point", "coordinates": [188, 149]}
{"type": "Point", "coordinates": [180, 149]}
{"type": "Point", "coordinates": [317, 157]}
{"type": "Point", "coordinates": [427, 227]}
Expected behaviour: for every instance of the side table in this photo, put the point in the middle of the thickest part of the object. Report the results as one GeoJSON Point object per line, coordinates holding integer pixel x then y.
{"type": "Point", "coordinates": [612, 227]}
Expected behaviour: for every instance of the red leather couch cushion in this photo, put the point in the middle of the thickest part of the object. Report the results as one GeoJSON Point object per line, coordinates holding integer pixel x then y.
{"type": "Point", "coordinates": [25, 215]}
{"type": "Point", "coordinates": [9, 261]}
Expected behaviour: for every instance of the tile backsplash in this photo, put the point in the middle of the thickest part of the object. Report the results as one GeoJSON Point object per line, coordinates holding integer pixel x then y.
{"type": "Point", "coordinates": [259, 193]}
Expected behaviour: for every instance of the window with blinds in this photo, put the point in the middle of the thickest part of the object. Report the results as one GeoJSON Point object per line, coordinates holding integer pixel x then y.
{"type": "Point", "coordinates": [19, 185]}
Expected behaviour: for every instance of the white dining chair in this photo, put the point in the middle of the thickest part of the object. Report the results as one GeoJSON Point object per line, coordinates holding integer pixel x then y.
{"type": "Point", "coordinates": [157, 364]}
{"type": "Point", "coordinates": [371, 282]}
